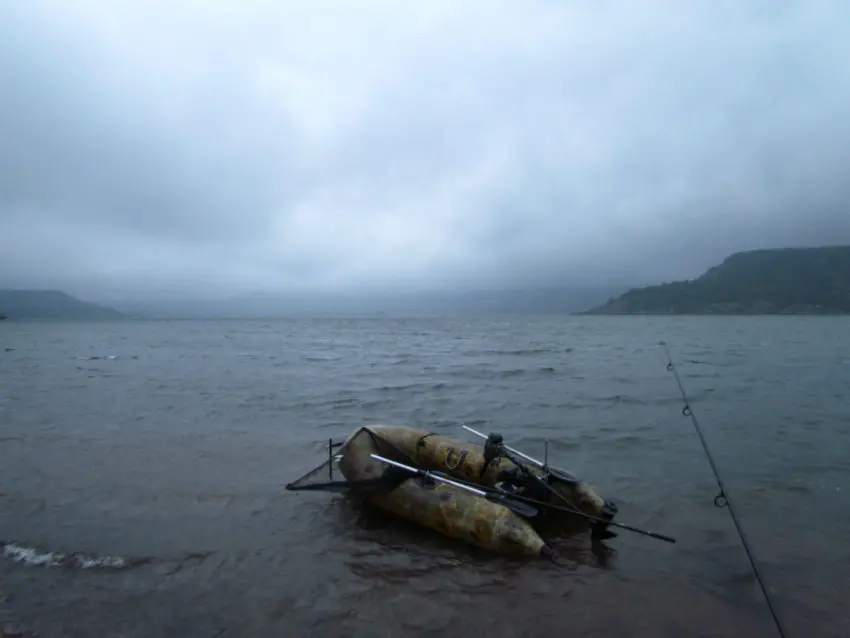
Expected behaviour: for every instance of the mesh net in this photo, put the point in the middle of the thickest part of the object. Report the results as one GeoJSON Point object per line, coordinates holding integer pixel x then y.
{"type": "Point", "coordinates": [327, 476]}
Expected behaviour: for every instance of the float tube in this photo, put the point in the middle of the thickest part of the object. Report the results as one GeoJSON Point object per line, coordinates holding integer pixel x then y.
{"type": "Point", "coordinates": [484, 495]}
{"type": "Point", "coordinates": [432, 501]}
{"type": "Point", "coordinates": [497, 466]}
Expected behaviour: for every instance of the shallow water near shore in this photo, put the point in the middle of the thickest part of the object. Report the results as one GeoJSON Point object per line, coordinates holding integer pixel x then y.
{"type": "Point", "coordinates": [142, 467]}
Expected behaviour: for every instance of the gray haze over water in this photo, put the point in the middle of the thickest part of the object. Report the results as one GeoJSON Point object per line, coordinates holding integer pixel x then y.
{"type": "Point", "coordinates": [167, 443]}
{"type": "Point", "coordinates": [165, 149]}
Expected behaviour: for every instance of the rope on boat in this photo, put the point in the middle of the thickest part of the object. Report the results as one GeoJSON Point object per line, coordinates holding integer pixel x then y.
{"type": "Point", "coordinates": [722, 499]}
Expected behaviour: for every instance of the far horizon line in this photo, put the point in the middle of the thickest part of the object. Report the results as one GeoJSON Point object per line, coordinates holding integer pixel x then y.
{"type": "Point", "coordinates": [146, 295]}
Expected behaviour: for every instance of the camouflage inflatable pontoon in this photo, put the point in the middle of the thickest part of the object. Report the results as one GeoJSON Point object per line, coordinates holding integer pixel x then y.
{"type": "Point", "coordinates": [489, 495]}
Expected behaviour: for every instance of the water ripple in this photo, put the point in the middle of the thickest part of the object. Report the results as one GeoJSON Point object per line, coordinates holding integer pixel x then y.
{"type": "Point", "coordinates": [173, 440]}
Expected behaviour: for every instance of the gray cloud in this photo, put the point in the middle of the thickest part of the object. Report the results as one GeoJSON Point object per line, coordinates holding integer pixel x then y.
{"type": "Point", "coordinates": [210, 146]}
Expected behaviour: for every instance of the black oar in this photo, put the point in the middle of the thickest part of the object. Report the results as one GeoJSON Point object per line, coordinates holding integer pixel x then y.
{"type": "Point", "coordinates": [518, 507]}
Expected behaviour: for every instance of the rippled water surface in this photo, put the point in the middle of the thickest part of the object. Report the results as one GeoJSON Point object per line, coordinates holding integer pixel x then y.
{"type": "Point", "coordinates": [166, 445]}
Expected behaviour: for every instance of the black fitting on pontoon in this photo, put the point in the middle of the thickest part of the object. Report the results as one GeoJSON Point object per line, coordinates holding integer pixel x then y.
{"type": "Point", "coordinates": [600, 531]}
{"type": "Point", "coordinates": [561, 475]}
{"type": "Point", "coordinates": [493, 449]}
{"type": "Point", "coordinates": [427, 481]}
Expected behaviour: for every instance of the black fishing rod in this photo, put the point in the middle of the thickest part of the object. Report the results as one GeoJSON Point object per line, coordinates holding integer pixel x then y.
{"type": "Point", "coordinates": [570, 509]}
{"type": "Point", "coordinates": [722, 499]}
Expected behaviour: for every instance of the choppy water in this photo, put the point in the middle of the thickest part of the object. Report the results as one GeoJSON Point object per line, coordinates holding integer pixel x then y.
{"type": "Point", "coordinates": [166, 445]}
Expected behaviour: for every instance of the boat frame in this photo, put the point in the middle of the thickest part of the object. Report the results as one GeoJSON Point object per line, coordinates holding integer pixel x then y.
{"type": "Point", "coordinates": [533, 509]}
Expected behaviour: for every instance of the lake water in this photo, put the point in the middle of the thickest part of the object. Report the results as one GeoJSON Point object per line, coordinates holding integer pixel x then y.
{"type": "Point", "coordinates": [168, 443]}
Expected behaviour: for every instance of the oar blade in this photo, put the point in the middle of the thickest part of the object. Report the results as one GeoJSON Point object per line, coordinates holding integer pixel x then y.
{"type": "Point", "coordinates": [517, 507]}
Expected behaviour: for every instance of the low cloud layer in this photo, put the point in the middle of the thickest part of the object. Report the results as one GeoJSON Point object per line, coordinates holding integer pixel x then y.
{"type": "Point", "coordinates": [156, 146]}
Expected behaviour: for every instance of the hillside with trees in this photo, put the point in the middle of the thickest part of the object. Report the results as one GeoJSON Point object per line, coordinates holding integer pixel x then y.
{"type": "Point", "coordinates": [774, 281]}
{"type": "Point", "coordinates": [50, 304]}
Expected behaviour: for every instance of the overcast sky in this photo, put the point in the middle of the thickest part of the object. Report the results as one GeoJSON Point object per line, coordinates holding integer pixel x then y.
{"type": "Point", "coordinates": [219, 145]}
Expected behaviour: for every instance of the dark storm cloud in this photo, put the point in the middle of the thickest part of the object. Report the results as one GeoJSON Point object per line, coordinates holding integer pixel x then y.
{"type": "Point", "coordinates": [273, 145]}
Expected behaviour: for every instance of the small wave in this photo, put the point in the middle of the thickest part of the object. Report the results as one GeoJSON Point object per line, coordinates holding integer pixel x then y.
{"type": "Point", "coordinates": [623, 399]}
{"type": "Point", "coordinates": [699, 362]}
{"type": "Point", "coordinates": [414, 386]}
{"type": "Point", "coordinates": [34, 557]}
{"type": "Point", "coordinates": [701, 375]}
{"type": "Point", "coordinates": [363, 404]}
{"type": "Point", "coordinates": [524, 352]}
{"type": "Point", "coordinates": [507, 374]}
{"type": "Point", "coordinates": [344, 402]}
{"type": "Point", "coordinates": [628, 440]}
{"type": "Point", "coordinates": [320, 359]}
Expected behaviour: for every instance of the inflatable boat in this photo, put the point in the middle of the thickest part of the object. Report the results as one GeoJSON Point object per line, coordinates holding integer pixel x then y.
{"type": "Point", "coordinates": [489, 495]}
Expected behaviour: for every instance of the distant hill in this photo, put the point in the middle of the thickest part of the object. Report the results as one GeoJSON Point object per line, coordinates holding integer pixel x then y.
{"type": "Point", "coordinates": [50, 304]}
{"type": "Point", "coordinates": [359, 304]}
{"type": "Point", "coordinates": [776, 281]}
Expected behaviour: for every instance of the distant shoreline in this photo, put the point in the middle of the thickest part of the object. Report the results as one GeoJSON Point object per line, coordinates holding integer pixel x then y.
{"type": "Point", "coordinates": [343, 317]}
{"type": "Point", "coordinates": [715, 314]}
{"type": "Point", "coordinates": [28, 304]}
{"type": "Point", "coordinates": [773, 282]}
